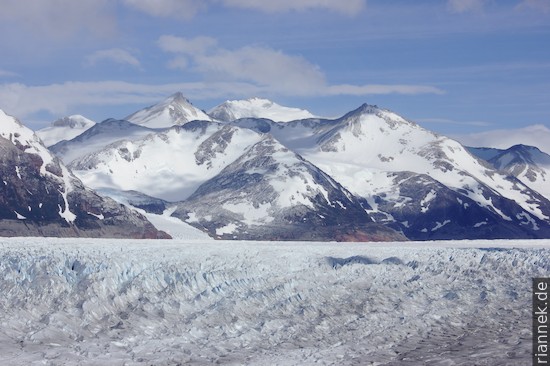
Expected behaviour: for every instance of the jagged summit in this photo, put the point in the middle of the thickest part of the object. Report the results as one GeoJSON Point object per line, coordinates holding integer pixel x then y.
{"type": "Point", "coordinates": [174, 110]}
{"type": "Point", "coordinates": [373, 110]}
{"type": "Point", "coordinates": [257, 107]}
{"type": "Point", "coordinates": [179, 98]}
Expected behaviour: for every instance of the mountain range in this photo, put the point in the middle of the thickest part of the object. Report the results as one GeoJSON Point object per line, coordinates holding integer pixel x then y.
{"type": "Point", "coordinates": [253, 169]}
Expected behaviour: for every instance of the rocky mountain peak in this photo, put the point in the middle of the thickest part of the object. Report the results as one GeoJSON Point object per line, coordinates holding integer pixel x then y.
{"type": "Point", "coordinates": [174, 110]}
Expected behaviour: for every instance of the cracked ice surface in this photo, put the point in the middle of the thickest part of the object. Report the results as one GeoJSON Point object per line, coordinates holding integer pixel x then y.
{"type": "Point", "coordinates": [122, 302]}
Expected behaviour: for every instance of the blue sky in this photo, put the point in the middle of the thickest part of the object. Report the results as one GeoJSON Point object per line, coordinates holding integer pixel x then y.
{"type": "Point", "coordinates": [454, 66]}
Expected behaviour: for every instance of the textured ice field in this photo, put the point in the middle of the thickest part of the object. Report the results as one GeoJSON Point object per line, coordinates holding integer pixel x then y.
{"type": "Point", "coordinates": [116, 302]}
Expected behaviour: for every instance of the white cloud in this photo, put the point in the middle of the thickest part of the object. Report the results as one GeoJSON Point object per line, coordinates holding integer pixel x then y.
{"type": "Point", "coordinates": [185, 9]}
{"type": "Point", "coordinates": [348, 7]}
{"type": "Point", "coordinates": [179, 62]}
{"type": "Point", "coordinates": [7, 74]}
{"type": "Point", "coordinates": [116, 55]}
{"type": "Point", "coordinates": [58, 19]}
{"type": "Point", "coordinates": [263, 66]}
{"type": "Point", "coordinates": [538, 5]}
{"type": "Point", "coordinates": [23, 101]}
{"type": "Point", "coordinates": [267, 68]}
{"type": "Point", "coordinates": [372, 89]}
{"type": "Point", "coordinates": [447, 121]}
{"type": "Point", "coordinates": [465, 6]}
{"type": "Point", "coordinates": [535, 135]}
{"type": "Point", "coordinates": [198, 45]}
{"type": "Point", "coordinates": [256, 64]}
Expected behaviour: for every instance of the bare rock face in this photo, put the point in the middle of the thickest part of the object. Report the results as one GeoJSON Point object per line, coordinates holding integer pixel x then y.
{"type": "Point", "coordinates": [39, 196]}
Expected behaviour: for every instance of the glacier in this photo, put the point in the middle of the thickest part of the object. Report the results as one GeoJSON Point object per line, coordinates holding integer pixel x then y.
{"type": "Point", "coordinates": [129, 302]}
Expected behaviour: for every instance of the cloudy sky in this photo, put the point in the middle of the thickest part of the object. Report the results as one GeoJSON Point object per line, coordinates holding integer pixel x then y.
{"type": "Point", "coordinates": [454, 66]}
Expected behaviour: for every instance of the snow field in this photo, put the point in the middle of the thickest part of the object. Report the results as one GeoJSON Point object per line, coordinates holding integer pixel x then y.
{"type": "Point", "coordinates": [113, 302]}
{"type": "Point", "coordinates": [258, 108]}
{"type": "Point", "coordinates": [151, 172]}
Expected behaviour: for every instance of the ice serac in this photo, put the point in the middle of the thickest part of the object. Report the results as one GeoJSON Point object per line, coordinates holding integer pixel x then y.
{"type": "Point", "coordinates": [39, 196]}
{"type": "Point", "coordinates": [389, 161]}
{"type": "Point", "coordinates": [271, 193]}
{"type": "Point", "coordinates": [65, 128]}
{"type": "Point", "coordinates": [257, 108]}
{"type": "Point", "coordinates": [174, 110]}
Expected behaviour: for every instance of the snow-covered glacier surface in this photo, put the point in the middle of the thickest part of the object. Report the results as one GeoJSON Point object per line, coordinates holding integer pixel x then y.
{"type": "Point", "coordinates": [123, 302]}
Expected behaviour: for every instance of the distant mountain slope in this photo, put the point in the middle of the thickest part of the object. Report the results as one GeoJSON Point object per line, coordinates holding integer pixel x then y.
{"type": "Point", "coordinates": [537, 135]}
{"type": "Point", "coordinates": [169, 165]}
{"type": "Point", "coordinates": [528, 164]}
{"type": "Point", "coordinates": [97, 137]}
{"type": "Point", "coordinates": [257, 108]}
{"type": "Point", "coordinates": [271, 193]}
{"type": "Point", "coordinates": [174, 110]}
{"type": "Point", "coordinates": [65, 128]}
{"type": "Point", "coordinates": [39, 196]}
{"type": "Point", "coordinates": [485, 153]}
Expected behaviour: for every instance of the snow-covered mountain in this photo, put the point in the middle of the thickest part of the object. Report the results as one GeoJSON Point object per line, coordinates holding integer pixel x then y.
{"type": "Point", "coordinates": [39, 196]}
{"type": "Point", "coordinates": [174, 110]}
{"type": "Point", "coordinates": [528, 164]}
{"type": "Point", "coordinates": [389, 161]}
{"type": "Point", "coordinates": [271, 193]}
{"type": "Point", "coordinates": [229, 177]}
{"type": "Point", "coordinates": [169, 165]}
{"type": "Point", "coordinates": [97, 137]}
{"type": "Point", "coordinates": [485, 153]}
{"type": "Point", "coordinates": [259, 175]}
{"type": "Point", "coordinates": [65, 128]}
{"type": "Point", "coordinates": [257, 108]}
